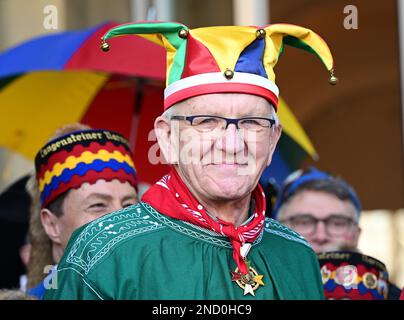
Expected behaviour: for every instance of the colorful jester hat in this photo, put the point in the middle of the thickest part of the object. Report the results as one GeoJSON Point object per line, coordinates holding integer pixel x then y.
{"type": "Point", "coordinates": [224, 59]}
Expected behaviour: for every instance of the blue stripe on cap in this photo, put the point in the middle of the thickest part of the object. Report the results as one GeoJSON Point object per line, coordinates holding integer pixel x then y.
{"type": "Point", "coordinates": [81, 169]}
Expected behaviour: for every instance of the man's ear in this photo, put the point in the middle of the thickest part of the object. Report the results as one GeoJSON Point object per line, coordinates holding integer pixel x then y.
{"type": "Point", "coordinates": [51, 225]}
{"type": "Point", "coordinates": [273, 140]}
{"type": "Point", "coordinates": [167, 138]}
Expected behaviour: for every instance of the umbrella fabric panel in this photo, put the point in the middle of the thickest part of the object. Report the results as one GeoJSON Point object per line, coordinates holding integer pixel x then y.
{"type": "Point", "coordinates": [292, 152]}
{"type": "Point", "coordinates": [287, 158]}
{"type": "Point", "coordinates": [81, 50]}
{"type": "Point", "coordinates": [50, 52]}
{"type": "Point", "coordinates": [146, 144]}
{"type": "Point", "coordinates": [132, 55]}
{"type": "Point", "coordinates": [7, 80]}
{"type": "Point", "coordinates": [113, 106]}
{"type": "Point", "coordinates": [36, 104]}
{"type": "Point", "coordinates": [293, 128]}
{"type": "Point", "coordinates": [277, 170]}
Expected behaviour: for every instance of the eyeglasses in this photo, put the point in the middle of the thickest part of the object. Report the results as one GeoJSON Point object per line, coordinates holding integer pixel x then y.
{"type": "Point", "coordinates": [206, 123]}
{"type": "Point", "coordinates": [306, 225]}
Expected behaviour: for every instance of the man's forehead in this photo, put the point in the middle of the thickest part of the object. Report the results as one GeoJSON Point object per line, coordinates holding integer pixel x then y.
{"type": "Point", "coordinates": [226, 104]}
{"type": "Point", "coordinates": [102, 188]}
{"type": "Point", "coordinates": [320, 203]}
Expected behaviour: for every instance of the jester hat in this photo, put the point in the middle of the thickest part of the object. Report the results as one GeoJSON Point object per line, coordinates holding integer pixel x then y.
{"type": "Point", "coordinates": [84, 156]}
{"type": "Point", "coordinates": [350, 275]}
{"type": "Point", "coordinates": [237, 59]}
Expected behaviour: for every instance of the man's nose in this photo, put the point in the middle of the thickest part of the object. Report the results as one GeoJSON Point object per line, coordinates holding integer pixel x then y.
{"type": "Point", "coordinates": [115, 206]}
{"type": "Point", "coordinates": [320, 233]}
{"type": "Point", "coordinates": [231, 140]}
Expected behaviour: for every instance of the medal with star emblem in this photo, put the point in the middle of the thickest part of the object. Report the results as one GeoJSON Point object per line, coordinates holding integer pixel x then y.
{"type": "Point", "coordinates": [248, 282]}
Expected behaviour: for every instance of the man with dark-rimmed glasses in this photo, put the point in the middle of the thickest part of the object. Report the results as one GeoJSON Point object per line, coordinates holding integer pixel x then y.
{"type": "Point", "coordinates": [322, 208]}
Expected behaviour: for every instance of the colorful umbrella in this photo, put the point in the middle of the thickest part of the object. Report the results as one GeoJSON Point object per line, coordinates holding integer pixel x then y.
{"type": "Point", "coordinates": [62, 78]}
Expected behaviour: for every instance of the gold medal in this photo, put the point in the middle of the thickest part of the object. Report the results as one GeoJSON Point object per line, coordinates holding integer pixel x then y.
{"type": "Point", "coordinates": [248, 282]}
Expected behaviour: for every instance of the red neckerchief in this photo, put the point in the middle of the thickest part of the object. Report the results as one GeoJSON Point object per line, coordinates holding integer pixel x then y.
{"type": "Point", "coordinates": [171, 197]}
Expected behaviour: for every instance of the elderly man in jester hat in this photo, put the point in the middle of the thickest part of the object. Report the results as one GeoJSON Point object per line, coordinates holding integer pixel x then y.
{"type": "Point", "coordinates": [81, 174]}
{"type": "Point", "coordinates": [201, 232]}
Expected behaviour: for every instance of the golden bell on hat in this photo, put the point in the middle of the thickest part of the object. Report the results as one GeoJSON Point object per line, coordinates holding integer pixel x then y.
{"type": "Point", "coordinates": [333, 79]}
{"type": "Point", "coordinates": [105, 46]}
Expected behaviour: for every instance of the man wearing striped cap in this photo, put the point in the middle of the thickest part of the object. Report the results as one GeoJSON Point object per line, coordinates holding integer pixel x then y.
{"type": "Point", "coordinates": [81, 175]}
{"type": "Point", "coordinates": [201, 232]}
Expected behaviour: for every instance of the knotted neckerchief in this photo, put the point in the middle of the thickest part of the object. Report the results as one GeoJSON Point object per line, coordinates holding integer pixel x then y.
{"type": "Point", "coordinates": [171, 197]}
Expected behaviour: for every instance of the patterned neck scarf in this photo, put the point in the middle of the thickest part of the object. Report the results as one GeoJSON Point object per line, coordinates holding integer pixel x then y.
{"type": "Point", "coordinates": [171, 197]}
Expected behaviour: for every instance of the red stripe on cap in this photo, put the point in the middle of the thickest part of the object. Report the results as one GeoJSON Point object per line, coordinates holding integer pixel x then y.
{"type": "Point", "coordinates": [198, 59]}
{"type": "Point", "coordinates": [93, 147]}
{"type": "Point", "coordinates": [220, 88]}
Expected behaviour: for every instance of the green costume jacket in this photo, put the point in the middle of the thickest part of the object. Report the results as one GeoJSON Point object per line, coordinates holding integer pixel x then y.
{"type": "Point", "coordinates": [139, 253]}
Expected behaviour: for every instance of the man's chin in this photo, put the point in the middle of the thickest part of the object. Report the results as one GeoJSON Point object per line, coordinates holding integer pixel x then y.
{"type": "Point", "coordinates": [225, 182]}
{"type": "Point", "coordinates": [230, 189]}
{"type": "Point", "coordinates": [227, 167]}
{"type": "Point", "coordinates": [229, 171]}
{"type": "Point", "coordinates": [332, 247]}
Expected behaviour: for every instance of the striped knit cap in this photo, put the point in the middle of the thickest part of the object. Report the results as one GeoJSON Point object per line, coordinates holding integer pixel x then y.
{"type": "Point", "coordinates": [82, 156]}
